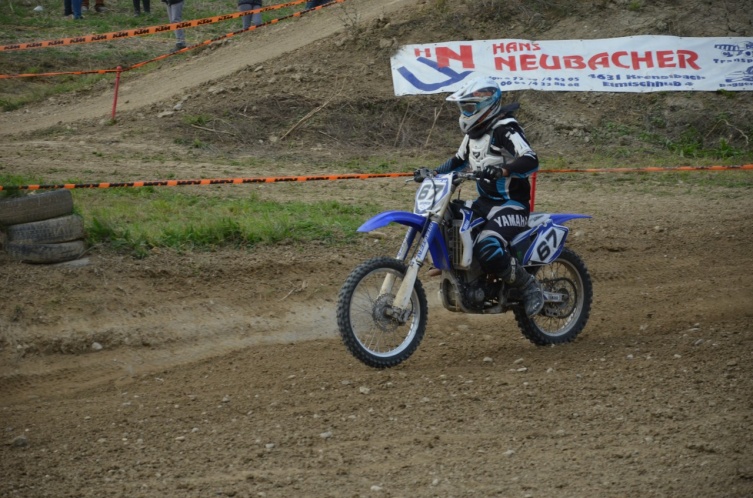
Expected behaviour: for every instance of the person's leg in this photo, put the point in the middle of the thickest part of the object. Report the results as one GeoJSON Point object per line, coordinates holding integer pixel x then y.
{"type": "Point", "coordinates": [256, 18]}
{"type": "Point", "coordinates": [175, 14]}
{"type": "Point", "coordinates": [493, 254]}
{"type": "Point", "coordinates": [177, 17]}
{"type": "Point", "coordinates": [76, 6]}
{"type": "Point", "coordinates": [136, 7]}
{"type": "Point", "coordinates": [147, 8]}
{"type": "Point", "coordinates": [245, 7]}
{"type": "Point", "coordinates": [84, 6]}
{"type": "Point", "coordinates": [67, 8]}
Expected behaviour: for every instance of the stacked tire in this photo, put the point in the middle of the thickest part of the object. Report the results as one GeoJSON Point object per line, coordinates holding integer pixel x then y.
{"type": "Point", "coordinates": [41, 227]}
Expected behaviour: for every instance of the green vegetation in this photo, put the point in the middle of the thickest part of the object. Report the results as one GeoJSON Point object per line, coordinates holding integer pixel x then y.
{"type": "Point", "coordinates": [692, 143]}
{"type": "Point", "coordinates": [137, 220]}
{"type": "Point", "coordinates": [635, 5]}
{"type": "Point", "coordinates": [19, 23]}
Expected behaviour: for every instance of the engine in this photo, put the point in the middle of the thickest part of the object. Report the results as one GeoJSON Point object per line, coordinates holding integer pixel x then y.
{"type": "Point", "coordinates": [466, 289]}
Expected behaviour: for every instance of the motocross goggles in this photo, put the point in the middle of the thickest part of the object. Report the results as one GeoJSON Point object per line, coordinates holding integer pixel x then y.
{"type": "Point", "coordinates": [482, 99]}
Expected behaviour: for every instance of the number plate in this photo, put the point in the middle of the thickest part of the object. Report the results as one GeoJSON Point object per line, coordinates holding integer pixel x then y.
{"type": "Point", "coordinates": [430, 193]}
{"type": "Point", "coordinates": [548, 244]}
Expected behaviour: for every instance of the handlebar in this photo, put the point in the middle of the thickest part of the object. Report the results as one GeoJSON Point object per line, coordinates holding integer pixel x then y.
{"type": "Point", "coordinates": [460, 176]}
{"type": "Point", "coordinates": [468, 176]}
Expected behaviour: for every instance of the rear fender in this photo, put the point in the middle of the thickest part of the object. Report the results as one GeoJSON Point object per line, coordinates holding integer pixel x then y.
{"type": "Point", "coordinates": [561, 218]}
{"type": "Point", "coordinates": [437, 247]}
{"type": "Point", "coordinates": [543, 242]}
{"type": "Point", "coordinates": [558, 218]}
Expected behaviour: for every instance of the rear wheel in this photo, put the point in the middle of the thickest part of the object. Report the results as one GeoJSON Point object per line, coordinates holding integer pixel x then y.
{"type": "Point", "coordinates": [364, 318]}
{"type": "Point", "coordinates": [559, 322]}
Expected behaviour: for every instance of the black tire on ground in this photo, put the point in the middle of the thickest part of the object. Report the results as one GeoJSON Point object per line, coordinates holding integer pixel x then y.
{"type": "Point", "coordinates": [369, 333]}
{"type": "Point", "coordinates": [35, 207]}
{"type": "Point", "coordinates": [560, 323]}
{"type": "Point", "coordinates": [46, 253]}
{"type": "Point", "coordinates": [52, 231]}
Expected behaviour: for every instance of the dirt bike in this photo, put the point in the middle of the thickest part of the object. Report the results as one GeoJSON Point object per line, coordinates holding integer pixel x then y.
{"type": "Point", "coordinates": [382, 309]}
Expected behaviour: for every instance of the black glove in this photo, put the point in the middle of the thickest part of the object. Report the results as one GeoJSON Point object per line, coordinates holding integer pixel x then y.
{"type": "Point", "coordinates": [420, 174]}
{"type": "Point", "coordinates": [492, 173]}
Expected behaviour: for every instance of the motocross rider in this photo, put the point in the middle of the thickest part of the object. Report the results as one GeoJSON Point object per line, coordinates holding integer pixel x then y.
{"type": "Point", "coordinates": [496, 147]}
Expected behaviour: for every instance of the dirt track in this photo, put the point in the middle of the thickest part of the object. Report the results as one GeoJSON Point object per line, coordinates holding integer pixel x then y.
{"type": "Point", "coordinates": [221, 373]}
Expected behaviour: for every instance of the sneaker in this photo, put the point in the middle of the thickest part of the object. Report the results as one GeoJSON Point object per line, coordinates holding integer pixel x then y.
{"type": "Point", "coordinates": [178, 46]}
{"type": "Point", "coordinates": [84, 8]}
{"type": "Point", "coordinates": [100, 8]}
{"type": "Point", "coordinates": [136, 14]}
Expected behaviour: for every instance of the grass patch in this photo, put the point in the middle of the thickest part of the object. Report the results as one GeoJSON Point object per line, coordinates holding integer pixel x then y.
{"type": "Point", "coordinates": [8, 181]}
{"type": "Point", "coordinates": [137, 220]}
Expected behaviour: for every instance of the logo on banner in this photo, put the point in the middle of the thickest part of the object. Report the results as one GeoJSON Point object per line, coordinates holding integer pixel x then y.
{"type": "Point", "coordinates": [441, 66]}
{"type": "Point", "coordinates": [737, 52]}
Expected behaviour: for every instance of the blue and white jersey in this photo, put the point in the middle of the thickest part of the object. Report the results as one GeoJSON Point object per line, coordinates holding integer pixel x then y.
{"type": "Point", "coordinates": [503, 145]}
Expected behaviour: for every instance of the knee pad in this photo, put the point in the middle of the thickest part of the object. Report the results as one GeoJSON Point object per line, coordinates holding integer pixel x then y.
{"type": "Point", "coordinates": [491, 255]}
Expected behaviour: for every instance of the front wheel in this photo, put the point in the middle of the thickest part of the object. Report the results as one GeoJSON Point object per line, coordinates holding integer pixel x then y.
{"type": "Point", "coordinates": [562, 321]}
{"type": "Point", "coordinates": [367, 327]}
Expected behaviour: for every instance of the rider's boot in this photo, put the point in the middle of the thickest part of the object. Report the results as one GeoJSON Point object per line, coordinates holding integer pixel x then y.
{"type": "Point", "coordinates": [533, 296]}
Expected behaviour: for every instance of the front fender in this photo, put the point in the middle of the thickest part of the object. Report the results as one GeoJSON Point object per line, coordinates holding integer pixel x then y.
{"type": "Point", "coordinates": [437, 247]}
{"type": "Point", "coordinates": [402, 217]}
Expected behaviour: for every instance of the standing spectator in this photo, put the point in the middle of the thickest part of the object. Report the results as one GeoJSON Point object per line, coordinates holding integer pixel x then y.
{"type": "Point", "coordinates": [175, 14]}
{"type": "Point", "coordinates": [137, 8]}
{"type": "Point", "coordinates": [246, 5]}
{"type": "Point", "coordinates": [99, 5]}
{"type": "Point", "coordinates": [316, 3]}
{"type": "Point", "coordinates": [72, 8]}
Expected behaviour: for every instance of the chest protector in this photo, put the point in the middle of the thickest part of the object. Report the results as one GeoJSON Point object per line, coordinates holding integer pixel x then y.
{"type": "Point", "coordinates": [480, 153]}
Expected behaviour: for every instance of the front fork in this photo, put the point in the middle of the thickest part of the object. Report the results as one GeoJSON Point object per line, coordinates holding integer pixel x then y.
{"type": "Point", "coordinates": [400, 309]}
{"type": "Point", "coordinates": [389, 280]}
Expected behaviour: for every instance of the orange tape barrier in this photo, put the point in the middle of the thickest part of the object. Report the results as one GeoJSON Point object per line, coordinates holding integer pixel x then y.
{"type": "Point", "coordinates": [651, 169]}
{"type": "Point", "coordinates": [181, 25]}
{"type": "Point", "coordinates": [78, 40]}
{"type": "Point", "coordinates": [354, 176]}
{"type": "Point", "coordinates": [209, 181]}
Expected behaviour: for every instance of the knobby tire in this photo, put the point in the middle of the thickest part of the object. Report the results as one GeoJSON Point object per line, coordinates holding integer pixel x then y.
{"type": "Point", "coordinates": [345, 307]}
{"type": "Point", "coordinates": [536, 333]}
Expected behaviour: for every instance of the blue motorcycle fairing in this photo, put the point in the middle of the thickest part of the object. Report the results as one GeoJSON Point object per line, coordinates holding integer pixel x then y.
{"type": "Point", "coordinates": [560, 218]}
{"type": "Point", "coordinates": [437, 247]}
{"type": "Point", "coordinates": [525, 242]}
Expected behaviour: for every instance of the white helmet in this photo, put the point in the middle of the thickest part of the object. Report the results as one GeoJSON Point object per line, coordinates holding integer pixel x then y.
{"type": "Point", "coordinates": [480, 100]}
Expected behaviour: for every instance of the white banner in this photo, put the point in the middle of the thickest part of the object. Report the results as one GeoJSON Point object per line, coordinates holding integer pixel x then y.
{"type": "Point", "coordinates": [631, 64]}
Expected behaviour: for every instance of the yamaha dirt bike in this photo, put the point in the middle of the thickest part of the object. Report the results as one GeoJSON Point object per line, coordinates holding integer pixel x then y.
{"type": "Point", "coordinates": [382, 309]}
